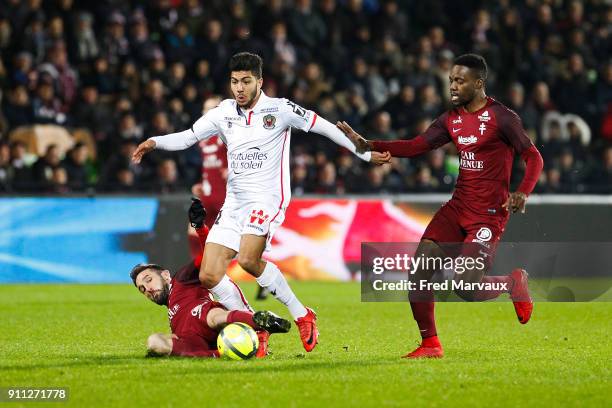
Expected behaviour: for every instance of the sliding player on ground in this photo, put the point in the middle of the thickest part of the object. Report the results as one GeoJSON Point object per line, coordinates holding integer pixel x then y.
{"type": "Point", "coordinates": [195, 318]}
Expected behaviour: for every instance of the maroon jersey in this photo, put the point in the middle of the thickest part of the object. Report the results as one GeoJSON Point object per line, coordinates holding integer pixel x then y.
{"type": "Point", "coordinates": [188, 305]}
{"type": "Point", "coordinates": [487, 141]}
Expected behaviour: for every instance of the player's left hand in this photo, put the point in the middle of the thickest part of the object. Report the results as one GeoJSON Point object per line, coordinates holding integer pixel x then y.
{"type": "Point", "coordinates": [197, 213]}
{"type": "Point", "coordinates": [361, 144]}
{"type": "Point", "coordinates": [516, 201]}
{"type": "Point", "coordinates": [379, 158]}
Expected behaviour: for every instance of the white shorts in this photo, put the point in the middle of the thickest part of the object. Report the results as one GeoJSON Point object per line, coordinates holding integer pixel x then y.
{"type": "Point", "coordinates": [238, 219]}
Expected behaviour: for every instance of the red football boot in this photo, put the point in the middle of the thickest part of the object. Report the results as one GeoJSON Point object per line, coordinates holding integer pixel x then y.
{"type": "Point", "coordinates": [308, 330]}
{"type": "Point", "coordinates": [429, 348]}
{"type": "Point", "coordinates": [263, 337]}
{"type": "Point", "coordinates": [523, 305]}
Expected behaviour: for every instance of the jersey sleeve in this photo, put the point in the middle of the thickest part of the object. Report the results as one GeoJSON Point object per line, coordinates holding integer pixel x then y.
{"type": "Point", "coordinates": [511, 130]}
{"type": "Point", "coordinates": [207, 125]}
{"type": "Point", "coordinates": [296, 116]}
{"type": "Point", "coordinates": [437, 134]}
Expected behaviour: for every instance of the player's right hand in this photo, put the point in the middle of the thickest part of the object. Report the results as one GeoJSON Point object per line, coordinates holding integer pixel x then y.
{"type": "Point", "coordinates": [379, 158]}
{"type": "Point", "coordinates": [142, 149]}
{"type": "Point", "coordinates": [197, 213]}
{"type": "Point", "coordinates": [361, 144]}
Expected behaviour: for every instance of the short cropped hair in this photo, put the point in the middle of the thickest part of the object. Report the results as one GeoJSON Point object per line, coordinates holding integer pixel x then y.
{"type": "Point", "coordinates": [141, 267]}
{"type": "Point", "coordinates": [247, 61]}
{"type": "Point", "coordinates": [474, 62]}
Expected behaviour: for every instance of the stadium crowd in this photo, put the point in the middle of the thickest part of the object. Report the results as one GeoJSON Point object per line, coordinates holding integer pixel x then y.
{"type": "Point", "coordinates": [128, 70]}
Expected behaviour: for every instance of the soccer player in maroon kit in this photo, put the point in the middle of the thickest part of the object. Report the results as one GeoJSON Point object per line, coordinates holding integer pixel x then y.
{"type": "Point", "coordinates": [487, 135]}
{"type": "Point", "coordinates": [195, 318]}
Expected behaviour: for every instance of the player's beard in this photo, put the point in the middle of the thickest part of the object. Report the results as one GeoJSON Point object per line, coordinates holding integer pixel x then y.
{"type": "Point", "coordinates": [162, 298]}
{"type": "Point", "coordinates": [250, 99]}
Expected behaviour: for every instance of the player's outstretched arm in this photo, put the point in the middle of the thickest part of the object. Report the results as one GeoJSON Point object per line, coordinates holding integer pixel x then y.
{"type": "Point", "coordinates": [325, 128]}
{"type": "Point", "coordinates": [435, 136]}
{"type": "Point", "coordinates": [202, 129]}
{"type": "Point", "coordinates": [395, 148]}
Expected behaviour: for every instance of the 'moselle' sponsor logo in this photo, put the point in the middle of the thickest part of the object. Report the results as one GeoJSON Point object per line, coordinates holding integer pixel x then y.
{"type": "Point", "coordinates": [467, 140]}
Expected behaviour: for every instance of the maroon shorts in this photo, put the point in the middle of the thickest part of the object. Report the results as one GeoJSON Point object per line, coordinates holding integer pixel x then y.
{"type": "Point", "coordinates": [454, 224]}
{"type": "Point", "coordinates": [193, 332]}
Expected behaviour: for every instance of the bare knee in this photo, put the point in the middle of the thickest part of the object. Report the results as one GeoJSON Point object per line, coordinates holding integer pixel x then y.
{"type": "Point", "coordinates": [159, 344]}
{"type": "Point", "coordinates": [212, 273]}
{"type": "Point", "coordinates": [208, 280]}
{"type": "Point", "coordinates": [249, 263]}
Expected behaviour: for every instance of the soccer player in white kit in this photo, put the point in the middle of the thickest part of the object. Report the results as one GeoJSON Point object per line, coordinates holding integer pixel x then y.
{"type": "Point", "coordinates": [257, 132]}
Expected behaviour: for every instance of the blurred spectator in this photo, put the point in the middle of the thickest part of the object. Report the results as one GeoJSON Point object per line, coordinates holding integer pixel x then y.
{"type": "Point", "coordinates": [86, 43]}
{"type": "Point", "coordinates": [180, 44]}
{"type": "Point", "coordinates": [23, 178]}
{"type": "Point", "coordinates": [42, 170]}
{"type": "Point", "coordinates": [381, 127]}
{"type": "Point", "coordinates": [17, 107]}
{"type": "Point", "coordinates": [215, 49]}
{"type": "Point", "coordinates": [129, 128]}
{"type": "Point", "coordinates": [47, 107]}
{"type": "Point", "coordinates": [115, 166]}
{"type": "Point", "coordinates": [601, 175]}
{"type": "Point", "coordinates": [167, 178]}
{"type": "Point", "coordinates": [307, 26]}
{"type": "Point", "coordinates": [124, 180]}
{"type": "Point", "coordinates": [115, 46]}
{"type": "Point", "coordinates": [326, 180]}
{"type": "Point", "coordinates": [75, 165]}
{"type": "Point", "coordinates": [61, 72]}
{"type": "Point", "coordinates": [571, 176]}
{"type": "Point", "coordinates": [6, 171]}
{"type": "Point", "coordinates": [424, 182]}
{"type": "Point", "coordinates": [92, 114]}
{"type": "Point", "coordinates": [390, 20]}
{"type": "Point", "coordinates": [58, 184]}
{"type": "Point", "coordinates": [299, 180]}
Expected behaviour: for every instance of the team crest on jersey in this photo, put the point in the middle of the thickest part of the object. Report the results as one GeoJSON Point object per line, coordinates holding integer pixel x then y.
{"type": "Point", "coordinates": [269, 121]}
{"type": "Point", "coordinates": [484, 117]}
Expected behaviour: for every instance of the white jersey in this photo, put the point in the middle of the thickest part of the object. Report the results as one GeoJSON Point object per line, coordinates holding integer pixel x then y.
{"type": "Point", "coordinates": [258, 182]}
{"type": "Point", "coordinates": [257, 145]}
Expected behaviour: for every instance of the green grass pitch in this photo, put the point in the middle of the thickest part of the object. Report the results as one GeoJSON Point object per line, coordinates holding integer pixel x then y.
{"type": "Point", "coordinates": [91, 338]}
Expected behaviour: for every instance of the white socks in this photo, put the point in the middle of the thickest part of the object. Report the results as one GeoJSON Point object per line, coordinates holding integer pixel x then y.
{"type": "Point", "coordinates": [230, 295]}
{"type": "Point", "coordinates": [273, 280]}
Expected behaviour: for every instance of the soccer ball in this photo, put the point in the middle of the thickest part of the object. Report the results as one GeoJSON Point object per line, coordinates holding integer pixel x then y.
{"type": "Point", "coordinates": [237, 341]}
